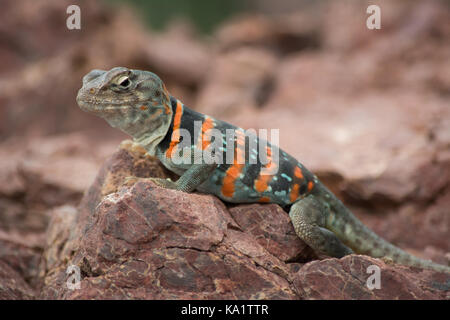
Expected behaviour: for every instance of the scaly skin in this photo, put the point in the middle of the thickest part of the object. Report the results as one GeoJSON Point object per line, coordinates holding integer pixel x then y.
{"type": "Point", "coordinates": [138, 103]}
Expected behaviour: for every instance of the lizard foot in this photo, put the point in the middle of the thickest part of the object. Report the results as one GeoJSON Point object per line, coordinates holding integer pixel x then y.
{"type": "Point", "coordinates": [165, 183]}
{"type": "Point", "coordinates": [308, 217]}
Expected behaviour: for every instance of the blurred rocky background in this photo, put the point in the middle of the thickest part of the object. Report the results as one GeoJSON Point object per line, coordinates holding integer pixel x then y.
{"type": "Point", "coordinates": [367, 110]}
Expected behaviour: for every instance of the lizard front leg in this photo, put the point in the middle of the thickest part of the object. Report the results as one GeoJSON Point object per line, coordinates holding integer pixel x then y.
{"type": "Point", "coordinates": [195, 176]}
{"type": "Point", "coordinates": [308, 215]}
{"type": "Point", "coordinates": [188, 182]}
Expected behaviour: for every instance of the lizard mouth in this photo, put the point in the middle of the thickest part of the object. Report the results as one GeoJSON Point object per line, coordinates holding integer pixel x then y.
{"type": "Point", "coordinates": [93, 105]}
{"type": "Point", "coordinates": [89, 106]}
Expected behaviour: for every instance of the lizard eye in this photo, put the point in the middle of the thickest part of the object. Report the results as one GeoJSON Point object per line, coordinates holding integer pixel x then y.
{"type": "Point", "coordinates": [124, 82]}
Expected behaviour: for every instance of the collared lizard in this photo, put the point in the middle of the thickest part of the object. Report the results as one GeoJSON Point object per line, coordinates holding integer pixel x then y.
{"type": "Point", "coordinates": [138, 103]}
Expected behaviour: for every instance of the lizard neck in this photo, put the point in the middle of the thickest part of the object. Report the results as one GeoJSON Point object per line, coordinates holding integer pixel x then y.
{"type": "Point", "coordinates": [150, 140]}
{"type": "Point", "coordinates": [147, 127]}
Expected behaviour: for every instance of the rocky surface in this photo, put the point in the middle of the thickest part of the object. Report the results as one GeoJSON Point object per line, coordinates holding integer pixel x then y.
{"type": "Point", "coordinates": [19, 265]}
{"type": "Point", "coordinates": [33, 50]}
{"type": "Point", "coordinates": [140, 241]}
{"type": "Point", "coordinates": [365, 110]}
{"type": "Point", "coordinates": [45, 173]}
{"type": "Point", "coordinates": [347, 278]}
{"type": "Point", "coordinates": [12, 284]}
{"type": "Point", "coordinates": [157, 244]}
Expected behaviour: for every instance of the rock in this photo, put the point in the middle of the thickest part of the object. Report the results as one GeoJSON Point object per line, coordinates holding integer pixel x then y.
{"type": "Point", "coordinates": [282, 34]}
{"type": "Point", "coordinates": [141, 241]}
{"type": "Point", "coordinates": [272, 228]}
{"type": "Point", "coordinates": [31, 106]}
{"type": "Point", "coordinates": [164, 57]}
{"type": "Point", "coordinates": [415, 227]}
{"type": "Point", "coordinates": [239, 80]}
{"type": "Point", "coordinates": [20, 257]}
{"type": "Point", "coordinates": [12, 285]}
{"type": "Point", "coordinates": [347, 279]}
{"type": "Point", "coordinates": [44, 173]}
{"type": "Point", "coordinates": [147, 242]}
{"type": "Point", "coordinates": [22, 253]}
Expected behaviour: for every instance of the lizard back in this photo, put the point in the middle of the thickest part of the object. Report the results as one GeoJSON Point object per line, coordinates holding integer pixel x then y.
{"type": "Point", "coordinates": [244, 179]}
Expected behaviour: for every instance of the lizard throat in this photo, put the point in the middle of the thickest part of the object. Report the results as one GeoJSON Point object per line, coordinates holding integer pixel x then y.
{"type": "Point", "coordinates": [148, 128]}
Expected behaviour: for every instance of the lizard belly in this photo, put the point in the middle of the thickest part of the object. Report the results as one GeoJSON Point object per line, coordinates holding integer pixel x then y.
{"type": "Point", "coordinates": [242, 192]}
{"type": "Point", "coordinates": [283, 187]}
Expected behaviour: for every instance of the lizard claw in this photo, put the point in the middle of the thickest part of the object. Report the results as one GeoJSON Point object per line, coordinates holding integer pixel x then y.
{"type": "Point", "coordinates": [131, 180]}
{"type": "Point", "coordinates": [164, 183]}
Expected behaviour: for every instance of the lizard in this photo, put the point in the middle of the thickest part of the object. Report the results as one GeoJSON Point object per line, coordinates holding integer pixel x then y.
{"type": "Point", "coordinates": [138, 103]}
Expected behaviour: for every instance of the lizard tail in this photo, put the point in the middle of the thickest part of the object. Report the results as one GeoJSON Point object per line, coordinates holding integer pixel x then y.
{"type": "Point", "coordinates": [361, 239]}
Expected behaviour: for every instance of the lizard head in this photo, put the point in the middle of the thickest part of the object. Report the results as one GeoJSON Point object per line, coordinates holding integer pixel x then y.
{"type": "Point", "coordinates": [137, 102]}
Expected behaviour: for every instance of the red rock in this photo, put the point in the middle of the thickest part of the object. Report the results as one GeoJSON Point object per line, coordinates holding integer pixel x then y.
{"type": "Point", "coordinates": [33, 50]}
{"type": "Point", "coordinates": [12, 285]}
{"type": "Point", "coordinates": [22, 254]}
{"type": "Point", "coordinates": [282, 34]}
{"type": "Point", "coordinates": [273, 230]}
{"type": "Point", "coordinates": [186, 67]}
{"type": "Point", "coordinates": [347, 279]}
{"type": "Point", "coordinates": [148, 242]}
{"type": "Point", "coordinates": [44, 173]}
{"type": "Point", "coordinates": [140, 241]}
{"type": "Point", "coordinates": [238, 80]}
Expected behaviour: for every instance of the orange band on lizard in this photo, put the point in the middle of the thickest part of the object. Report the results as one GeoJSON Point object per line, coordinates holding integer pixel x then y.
{"type": "Point", "coordinates": [298, 172]}
{"type": "Point", "coordinates": [294, 192]}
{"type": "Point", "coordinates": [207, 124]}
{"type": "Point", "coordinates": [175, 132]}
{"type": "Point", "coordinates": [235, 170]}
{"type": "Point", "coordinates": [263, 180]}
